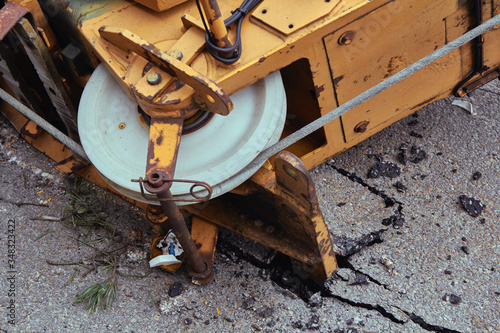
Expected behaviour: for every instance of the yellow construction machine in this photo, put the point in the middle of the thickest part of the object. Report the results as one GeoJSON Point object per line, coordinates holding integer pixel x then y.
{"type": "Point", "coordinates": [217, 109]}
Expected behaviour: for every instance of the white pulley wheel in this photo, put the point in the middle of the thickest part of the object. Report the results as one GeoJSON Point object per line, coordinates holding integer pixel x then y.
{"type": "Point", "coordinates": [115, 137]}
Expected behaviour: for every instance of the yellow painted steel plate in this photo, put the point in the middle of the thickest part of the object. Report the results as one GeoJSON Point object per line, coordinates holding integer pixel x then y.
{"type": "Point", "coordinates": [289, 16]}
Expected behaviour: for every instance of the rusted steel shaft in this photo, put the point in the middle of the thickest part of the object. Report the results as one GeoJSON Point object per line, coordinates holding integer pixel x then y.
{"type": "Point", "coordinates": [216, 22]}
{"type": "Point", "coordinates": [196, 264]}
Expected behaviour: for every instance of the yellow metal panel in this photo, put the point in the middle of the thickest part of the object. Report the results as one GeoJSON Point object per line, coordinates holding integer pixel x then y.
{"type": "Point", "coordinates": [375, 47]}
{"type": "Point", "coordinates": [491, 49]}
{"type": "Point", "coordinates": [289, 16]}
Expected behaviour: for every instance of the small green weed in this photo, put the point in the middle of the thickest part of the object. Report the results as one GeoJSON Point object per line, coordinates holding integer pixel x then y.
{"type": "Point", "coordinates": [98, 296]}
{"type": "Point", "coordinates": [87, 206]}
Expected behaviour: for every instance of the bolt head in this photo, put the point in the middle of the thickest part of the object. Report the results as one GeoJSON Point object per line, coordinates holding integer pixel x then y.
{"type": "Point", "coordinates": [361, 127]}
{"type": "Point", "coordinates": [153, 78]}
{"type": "Point", "coordinates": [176, 54]}
{"type": "Point", "coordinates": [346, 38]}
{"type": "Point", "coordinates": [290, 171]}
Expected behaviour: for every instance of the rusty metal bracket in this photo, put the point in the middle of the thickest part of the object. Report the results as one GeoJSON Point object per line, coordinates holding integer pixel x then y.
{"type": "Point", "coordinates": [207, 94]}
{"type": "Point", "coordinates": [203, 233]}
{"type": "Point", "coordinates": [12, 13]}
{"type": "Point", "coordinates": [198, 267]}
{"type": "Point", "coordinates": [479, 68]}
{"type": "Point", "coordinates": [205, 236]}
{"type": "Point", "coordinates": [481, 81]}
{"type": "Point", "coordinates": [282, 212]}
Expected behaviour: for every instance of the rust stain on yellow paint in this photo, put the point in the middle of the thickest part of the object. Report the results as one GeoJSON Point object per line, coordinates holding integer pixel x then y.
{"type": "Point", "coordinates": [164, 138]}
{"type": "Point", "coordinates": [396, 64]}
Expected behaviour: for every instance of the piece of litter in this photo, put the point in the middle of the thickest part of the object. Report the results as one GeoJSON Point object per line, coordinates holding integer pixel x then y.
{"type": "Point", "coordinates": [465, 105]}
{"type": "Point", "coordinates": [171, 249]}
{"type": "Point", "coordinates": [164, 260]}
{"type": "Point", "coordinates": [170, 245]}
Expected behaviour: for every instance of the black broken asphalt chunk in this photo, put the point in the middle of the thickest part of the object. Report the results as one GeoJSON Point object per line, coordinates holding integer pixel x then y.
{"type": "Point", "coordinates": [175, 289]}
{"type": "Point", "coordinates": [416, 135]}
{"type": "Point", "coordinates": [472, 206]}
{"type": "Point", "coordinates": [346, 246]}
{"type": "Point", "coordinates": [452, 298]}
{"type": "Point", "coordinates": [400, 187]}
{"type": "Point", "coordinates": [414, 155]}
{"type": "Point", "coordinates": [384, 169]}
{"type": "Point", "coordinates": [413, 122]}
{"type": "Point", "coordinates": [360, 279]}
{"type": "Point", "coordinates": [396, 220]}
{"type": "Point", "coordinates": [313, 323]}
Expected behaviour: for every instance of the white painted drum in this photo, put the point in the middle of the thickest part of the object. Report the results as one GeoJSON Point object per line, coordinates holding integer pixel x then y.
{"type": "Point", "coordinates": [212, 154]}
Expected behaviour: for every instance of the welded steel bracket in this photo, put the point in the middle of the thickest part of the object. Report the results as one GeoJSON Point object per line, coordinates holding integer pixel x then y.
{"type": "Point", "coordinates": [207, 94]}
{"type": "Point", "coordinates": [279, 209]}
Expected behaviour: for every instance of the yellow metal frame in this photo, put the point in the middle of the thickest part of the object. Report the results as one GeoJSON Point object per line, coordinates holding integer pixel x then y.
{"type": "Point", "coordinates": [383, 38]}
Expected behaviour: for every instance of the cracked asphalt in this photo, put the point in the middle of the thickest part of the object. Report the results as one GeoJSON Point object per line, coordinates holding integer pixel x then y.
{"type": "Point", "coordinates": [412, 257]}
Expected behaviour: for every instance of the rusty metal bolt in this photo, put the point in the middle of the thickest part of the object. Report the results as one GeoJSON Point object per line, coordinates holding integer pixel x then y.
{"type": "Point", "coordinates": [290, 171]}
{"type": "Point", "coordinates": [176, 54]}
{"type": "Point", "coordinates": [155, 209]}
{"type": "Point", "coordinates": [361, 127]}
{"type": "Point", "coordinates": [346, 38]}
{"type": "Point", "coordinates": [153, 78]}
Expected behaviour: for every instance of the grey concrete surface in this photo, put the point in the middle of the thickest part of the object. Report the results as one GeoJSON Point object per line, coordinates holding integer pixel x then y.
{"type": "Point", "coordinates": [412, 260]}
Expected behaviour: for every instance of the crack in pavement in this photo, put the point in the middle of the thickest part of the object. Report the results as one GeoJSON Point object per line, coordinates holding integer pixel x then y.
{"type": "Point", "coordinates": [397, 220]}
{"type": "Point", "coordinates": [426, 326]}
{"type": "Point", "coordinates": [325, 292]}
{"type": "Point", "coordinates": [388, 201]}
{"type": "Point", "coordinates": [277, 267]}
{"type": "Point", "coordinates": [343, 262]}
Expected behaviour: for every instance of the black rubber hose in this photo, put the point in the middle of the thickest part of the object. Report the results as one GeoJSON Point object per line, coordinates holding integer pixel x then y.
{"type": "Point", "coordinates": [237, 17]}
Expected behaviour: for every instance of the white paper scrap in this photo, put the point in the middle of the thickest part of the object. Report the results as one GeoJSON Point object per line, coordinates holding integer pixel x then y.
{"type": "Point", "coordinates": [465, 105]}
